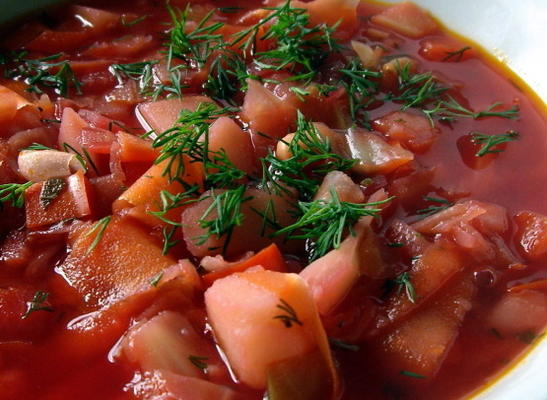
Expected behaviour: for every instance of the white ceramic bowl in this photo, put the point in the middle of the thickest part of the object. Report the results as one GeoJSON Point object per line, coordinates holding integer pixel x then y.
{"type": "Point", "coordinates": [514, 32]}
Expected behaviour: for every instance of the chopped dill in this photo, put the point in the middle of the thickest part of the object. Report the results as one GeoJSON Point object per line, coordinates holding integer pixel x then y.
{"type": "Point", "coordinates": [441, 204]}
{"type": "Point", "coordinates": [289, 316]}
{"type": "Point", "coordinates": [14, 193]}
{"type": "Point", "coordinates": [38, 303]}
{"type": "Point", "coordinates": [324, 222]}
{"type": "Point", "coordinates": [490, 143]}
{"type": "Point", "coordinates": [98, 228]}
{"type": "Point", "coordinates": [199, 362]}
{"type": "Point", "coordinates": [403, 282]}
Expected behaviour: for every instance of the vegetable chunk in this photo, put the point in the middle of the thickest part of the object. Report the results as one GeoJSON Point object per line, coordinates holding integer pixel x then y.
{"type": "Point", "coordinates": [261, 318]}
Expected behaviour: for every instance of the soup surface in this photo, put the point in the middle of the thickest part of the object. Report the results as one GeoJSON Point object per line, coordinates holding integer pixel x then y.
{"type": "Point", "coordinates": [240, 200]}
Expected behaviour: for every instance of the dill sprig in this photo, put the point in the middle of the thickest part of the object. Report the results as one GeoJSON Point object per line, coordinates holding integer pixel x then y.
{"type": "Point", "coordinates": [199, 362]}
{"type": "Point", "coordinates": [299, 48]}
{"type": "Point", "coordinates": [14, 193]}
{"type": "Point", "coordinates": [289, 316]}
{"type": "Point", "coordinates": [187, 138]}
{"type": "Point", "coordinates": [415, 90]}
{"type": "Point", "coordinates": [441, 204]}
{"type": "Point", "coordinates": [227, 75]}
{"type": "Point", "coordinates": [196, 45]}
{"type": "Point", "coordinates": [403, 282]}
{"type": "Point", "coordinates": [324, 222]}
{"type": "Point", "coordinates": [141, 72]}
{"type": "Point", "coordinates": [170, 201]}
{"type": "Point", "coordinates": [450, 109]}
{"type": "Point", "coordinates": [225, 209]}
{"type": "Point", "coordinates": [38, 303]}
{"type": "Point", "coordinates": [37, 146]}
{"type": "Point", "coordinates": [361, 88]}
{"type": "Point", "coordinates": [47, 71]}
{"type": "Point", "coordinates": [456, 55]}
{"type": "Point", "coordinates": [311, 159]}
{"type": "Point", "coordinates": [98, 228]}
{"type": "Point", "coordinates": [490, 142]}
{"type": "Point", "coordinates": [84, 159]}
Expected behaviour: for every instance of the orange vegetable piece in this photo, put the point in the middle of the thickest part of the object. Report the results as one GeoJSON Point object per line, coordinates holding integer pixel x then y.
{"type": "Point", "coordinates": [122, 263]}
{"type": "Point", "coordinates": [531, 236]}
{"type": "Point", "coordinates": [269, 258]}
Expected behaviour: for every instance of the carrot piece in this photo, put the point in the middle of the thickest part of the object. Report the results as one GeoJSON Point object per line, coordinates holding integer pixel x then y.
{"type": "Point", "coordinates": [269, 258]}
{"type": "Point", "coordinates": [143, 196]}
{"type": "Point", "coordinates": [74, 201]}
{"type": "Point", "coordinates": [445, 49]}
{"type": "Point", "coordinates": [132, 263]}
{"type": "Point", "coordinates": [9, 104]}
{"type": "Point", "coordinates": [134, 148]}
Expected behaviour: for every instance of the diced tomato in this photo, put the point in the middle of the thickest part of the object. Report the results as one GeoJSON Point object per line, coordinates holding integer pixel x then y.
{"type": "Point", "coordinates": [407, 19]}
{"type": "Point", "coordinates": [532, 235]}
{"type": "Point", "coordinates": [268, 116]}
{"type": "Point", "coordinates": [445, 49]}
{"type": "Point", "coordinates": [269, 258]}
{"type": "Point", "coordinates": [342, 185]}
{"type": "Point", "coordinates": [74, 201]}
{"type": "Point", "coordinates": [518, 312]}
{"type": "Point", "coordinates": [420, 344]}
{"type": "Point", "coordinates": [414, 132]}
{"type": "Point", "coordinates": [132, 262]}
{"type": "Point", "coordinates": [134, 148]}
{"type": "Point", "coordinates": [259, 303]}
{"type": "Point", "coordinates": [373, 154]}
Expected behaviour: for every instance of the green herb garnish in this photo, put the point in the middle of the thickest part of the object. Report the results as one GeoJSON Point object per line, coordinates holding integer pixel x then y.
{"type": "Point", "coordinates": [490, 142]}
{"type": "Point", "coordinates": [51, 189]}
{"type": "Point", "coordinates": [14, 193]}
{"type": "Point", "coordinates": [324, 222]}
{"type": "Point", "coordinates": [199, 362]}
{"type": "Point", "coordinates": [403, 282]}
{"type": "Point", "coordinates": [443, 204]}
{"type": "Point", "coordinates": [412, 374]}
{"type": "Point", "coordinates": [38, 303]}
{"type": "Point", "coordinates": [289, 316]}
{"type": "Point", "coordinates": [98, 228]}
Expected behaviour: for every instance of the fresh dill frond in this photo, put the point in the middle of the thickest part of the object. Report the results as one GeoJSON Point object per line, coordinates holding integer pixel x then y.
{"type": "Point", "coordinates": [450, 109]}
{"type": "Point", "coordinates": [38, 73]}
{"type": "Point", "coordinates": [440, 205]}
{"type": "Point", "coordinates": [299, 48]}
{"type": "Point", "coordinates": [37, 146]}
{"type": "Point", "coordinates": [361, 87]}
{"type": "Point", "coordinates": [311, 159]}
{"type": "Point", "coordinates": [98, 228]}
{"type": "Point", "coordinates": [403, 282]}
{"type": "Point", "coordinates": [220, 172]}
{"type": "Point", "coordinates": [289, 316]}
{"type": "Point", "coordinates": [416, 90]}
{"type": "Point", "coordinates": [456, 55]}
{"type": "Point", "coordinates": [199, 362]}
{"type": "Point", "coordinates": [227, 75]}
{"type": "Point", "coordinates": [140, 72]}
{"type": "Point", "coordinates": [223, 214]}
{"type": "Point", "coordinates": [84, 159]}
{"type": "Point", "coordinates": [193, 46]}
{"type": "Point", "coordinates": [14, 193]}
{"type": "Point", "coordinates": [168, 232]}
{"type": "Point", "coordinates": [38, 303]}
{"type": "Point", "coordinates": [490, 143]}
{"type": "Point", "coordinates": [324, 222]}
{"type": "Point", "coordinates": [187, 138]}
{"type": "Point", "coordinates": [170, 201]}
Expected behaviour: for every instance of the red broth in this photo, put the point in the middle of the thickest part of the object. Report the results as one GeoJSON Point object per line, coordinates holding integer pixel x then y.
{"type": "Point", "coordinates": [70, 322]}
